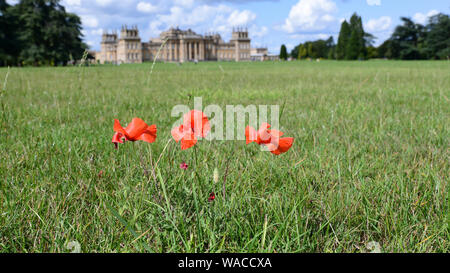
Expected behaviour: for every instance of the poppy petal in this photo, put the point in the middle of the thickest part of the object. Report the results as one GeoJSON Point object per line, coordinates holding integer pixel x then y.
{"type": "Point", "coordinates": [177, 133]}
{"type": "Point", "coordinates": [273, 149]}
{"type": "Point", "coordinates": [136, 128]}
{"type": "Point", "coordinates": [206, 127]}
{"type": "Point", "coordinates": [150, 138]}
{"type": "Point", "coordinates": [263, 134]}
{"type": "Point", "coordinates": [250, 134]}
{"type": "Point", "coordinates": [284, 144]}
{"type": "Point", "coordinates": [187, 141]}
{"type": "Point", "coordinates": [117, 138]}
{"type": "Point", "coordinates": [119, 129]}
{"type": "Point", "coordinates": [149, 135]}
{"type": "Point", "coordinates": [198, 122]}
{"type": "Point", "coordinates": [276, 133]}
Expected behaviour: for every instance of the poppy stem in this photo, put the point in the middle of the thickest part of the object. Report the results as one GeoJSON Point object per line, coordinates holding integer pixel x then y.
{"type": "Point", "coordinates": [196, 163]}
{"type": "Point", "coordinates": [195, 156]}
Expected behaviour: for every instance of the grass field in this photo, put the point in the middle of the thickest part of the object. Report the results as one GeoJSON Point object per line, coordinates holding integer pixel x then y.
{"type": "Point", "coordinates": [370, 160]}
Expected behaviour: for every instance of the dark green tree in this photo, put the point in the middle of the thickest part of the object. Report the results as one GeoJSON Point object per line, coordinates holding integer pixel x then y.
{"type": "Point", "coordinates": [283, 52]}
{"type": "Point", "coordinates": [315, 49]}
{"type": "Point", "coordinates": [412, 41]}
{"type": "Point", "coordinates": [331, 54]}
{"type": "Point", "coordinates": [9, 43]}
{"type": "Point", "coordinates": [310, 50]}
{"type": "Point", "coordinates": [302, 52]}
{"type": "Point", "coordinates": [353, 40]}
{"type": "Point", "coordinates": [356, 47]}
{"type": "Point", "coordinates": [343, 40]}
{"type": "Point", "coordinates": [437, 38]}
{"type": "Point", "coordinates": [353, 49]}
{"type": "Point", "coordinates": [407, 41]}
{"type": "Point", "coordinates": [372, 52]}
{"type": "Point", "coordinates": [45, 34]}
{"type": "Point", "coordinates": [384, 50]}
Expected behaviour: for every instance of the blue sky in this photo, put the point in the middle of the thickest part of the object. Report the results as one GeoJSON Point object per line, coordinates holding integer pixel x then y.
{"type": "Point", "coordinates": [270, 22]}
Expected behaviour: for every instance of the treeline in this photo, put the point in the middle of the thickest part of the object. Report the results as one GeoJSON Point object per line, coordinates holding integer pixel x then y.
{"type": "Point", "coordinates": [410, 41]}
{"type": "Point", "coordinates": [324, 49]}
{"type": "Point", "coordinates": [39, 32]}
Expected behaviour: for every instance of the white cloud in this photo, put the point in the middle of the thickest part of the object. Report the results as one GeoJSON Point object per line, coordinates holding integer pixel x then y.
{"type": "Point", "coordinates": [377, 25]}
{"type": "Point", "coordinates": [97, 32]}
{"type": "Point", "coordinates": [184, 3]}
{"type": "Point", "coordinates": [310, 37]}
{"type": "Point", "coordinates": [146, 7]}
{"type": "Point", "coordinates": [104, 3]}
{"type": "Point", "coordinates": [258, 32]}
{"type": "Point", "coordinates": [374, 2]}
{"type": "Point", "coordinates": [241, 18]}
{"type": "Point", "coordinates": [422, 18]}
{"type": "Point", "coordinates": [310, 15]}
{"type": "Point", "coordinates": [72, 2]}
{"type": "Point", "coordinates": [220, 18]}
{"type": "Point", "coordinates": [89, 21]}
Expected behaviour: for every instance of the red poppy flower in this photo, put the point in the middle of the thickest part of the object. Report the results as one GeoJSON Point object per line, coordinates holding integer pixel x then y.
{"type": "Point", "coordinates": [212, 197]}
{"type": "Point", "coordinates": [136, 130]}
{"type": "Point", "coordinates": [271, 138]}
{"type": "Point", "coordinates": [195, 125]}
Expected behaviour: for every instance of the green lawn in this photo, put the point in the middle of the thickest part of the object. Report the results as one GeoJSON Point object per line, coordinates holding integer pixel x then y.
{"type": "Point", "coordinates": [370, 160]}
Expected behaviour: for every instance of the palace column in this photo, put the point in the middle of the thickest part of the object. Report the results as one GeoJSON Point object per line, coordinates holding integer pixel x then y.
{"type": "Point", "coordinates": [169, 48]}
{"type": "Point", "coordinates": [202, 50]}
{"type": "Point", "coordinates": [196, 50]}
{"type": "Point", "coordinates": [172, 49]}
{"type": "Point", "coordinates": [189, 44]}
{"type": "Point", "coordinates": [164, 53]}
{"type": "Point", "coordinates": [182, 50]}
{"type": "Point", "coordinates": [167, 53]}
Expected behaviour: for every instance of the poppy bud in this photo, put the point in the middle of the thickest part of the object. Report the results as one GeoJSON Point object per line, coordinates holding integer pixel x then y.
{"type": "Point", "coordinates": [212, 197]}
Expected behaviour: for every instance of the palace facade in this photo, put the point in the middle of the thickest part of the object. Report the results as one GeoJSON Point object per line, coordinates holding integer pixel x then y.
{"type": "Point", "coordinates": [179, 46]}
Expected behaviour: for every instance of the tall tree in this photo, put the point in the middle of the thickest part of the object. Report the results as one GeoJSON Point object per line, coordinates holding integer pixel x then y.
{"type": "Point", "coordinates": [407, 41]}
{"type": "Point", "coordinates": [302, 52]}
{"type": "Point", "coordinates": [353, 40]}
{"type": "Point", "coordinates": [356, 47]}
{"type": "Point", "coordinates": [437, 40]}
{"type": "Point", "coordinates": [384, 50]}
{"type": "Point", "coordinates": [311, 52]}
{"type": "Point", "coordinates": [353, 49]}
{"type": "Point", "coordinates": [9, 44]}
{"type": "Point", "coordinates": [412, 41]}
{"type": "Point", "coordinates": [45, 32]}
{"type": "Point", "coordinates": [344, 37]}
{"type": "Point", "coordinates": [283, 52]}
